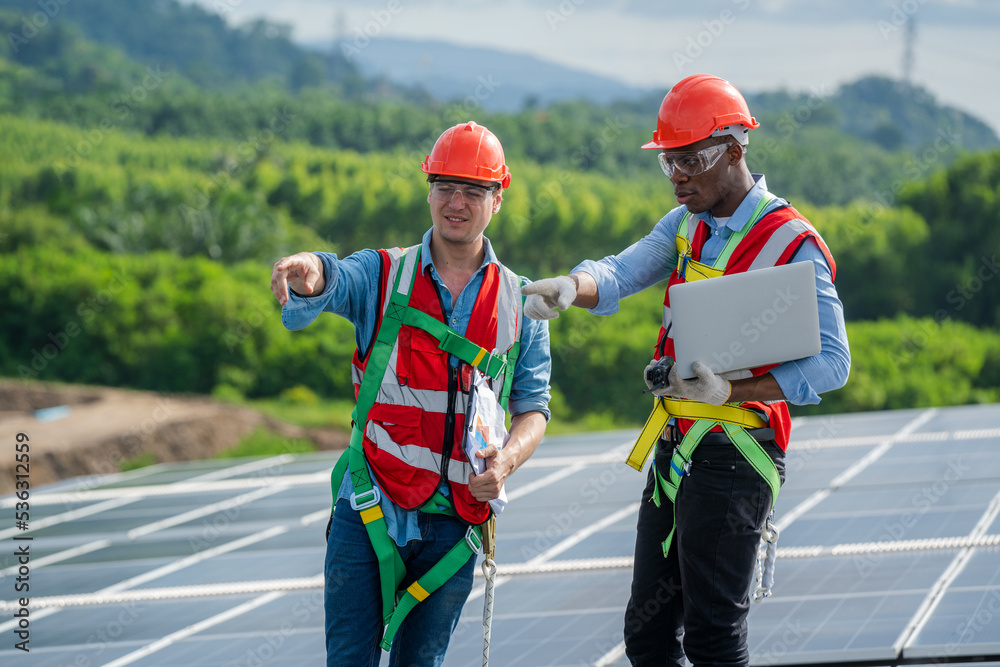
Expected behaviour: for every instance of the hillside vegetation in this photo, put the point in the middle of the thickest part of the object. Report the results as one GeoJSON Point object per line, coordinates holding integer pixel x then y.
{"type": "Point", "coordinates": [141, 209]}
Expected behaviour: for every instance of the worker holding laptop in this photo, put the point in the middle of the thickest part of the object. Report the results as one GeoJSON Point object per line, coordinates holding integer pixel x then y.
{"type": "Point", "coordinates": [720, 426]}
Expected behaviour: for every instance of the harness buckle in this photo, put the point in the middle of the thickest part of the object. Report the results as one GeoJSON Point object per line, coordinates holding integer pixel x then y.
{"type": "Point", "coordinates": [366, 499]}
{"type": "Point", "coordinates": [473, 540]}
{"type": "Point", "coordinates": [687, 467]}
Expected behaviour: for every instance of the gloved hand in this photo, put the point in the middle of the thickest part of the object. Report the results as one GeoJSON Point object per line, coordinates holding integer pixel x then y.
{"type": "Point", "coordinates": [548, 294]}
{"type": "Point", "coordinates": [707, 387]}
{"type": "Point", "coordinates": [663, 364]}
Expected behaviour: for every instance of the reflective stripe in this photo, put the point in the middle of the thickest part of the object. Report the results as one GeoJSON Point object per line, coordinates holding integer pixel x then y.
{"type": "Point", "coordinates": [394, 255]}
{"type": "Point", "coordinates": [417, 456]}
{"type": "Point", "coordinates": [778, 243]}
{"type": "Point", "coordinates": [509, 301]}
{"type": "Point", "coordinates": [509, 320]}
{"type": "Point", "coordinates": [409, 262]}
{"type": "Point", "coordinates": [426, 399]}
{"type": "Point", "coordinates": [686, 229]}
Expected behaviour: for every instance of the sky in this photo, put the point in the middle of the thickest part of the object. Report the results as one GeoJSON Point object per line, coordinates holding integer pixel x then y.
{"type": "Point", "coordinates": [759, 45]}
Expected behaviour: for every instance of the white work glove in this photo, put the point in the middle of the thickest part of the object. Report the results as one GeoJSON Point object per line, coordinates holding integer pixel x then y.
{"type": "Point", "coordinates": [707, 387]}
{"type": "Point", "coordinates": [662, 361]}
{"type": "Point", "coordinates": [548, 294]}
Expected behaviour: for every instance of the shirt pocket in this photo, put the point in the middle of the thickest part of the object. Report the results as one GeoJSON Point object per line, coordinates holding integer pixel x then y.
{"type": "Point", "coordinates": [422, 364]}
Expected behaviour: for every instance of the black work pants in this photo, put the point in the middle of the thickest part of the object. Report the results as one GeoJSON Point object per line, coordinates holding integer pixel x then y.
{"type": "Point", "coordinates": [695, 600]}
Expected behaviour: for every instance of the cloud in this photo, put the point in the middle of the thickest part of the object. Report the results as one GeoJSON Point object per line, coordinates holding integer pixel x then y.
{"type": "Point", "coordinates": [816, 12]}
{"type": "Point", "coordinates": [761, 44]}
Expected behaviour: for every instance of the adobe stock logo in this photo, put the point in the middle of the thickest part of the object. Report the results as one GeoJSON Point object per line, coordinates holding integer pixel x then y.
{"type": "Point", "coordinates": [37, 21]}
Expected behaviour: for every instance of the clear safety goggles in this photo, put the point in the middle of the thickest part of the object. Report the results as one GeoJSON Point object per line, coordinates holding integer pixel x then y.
{"type": "Point", "coordinates": [471, 193]}
{"type": "Point", "coordinates": [694, 163]}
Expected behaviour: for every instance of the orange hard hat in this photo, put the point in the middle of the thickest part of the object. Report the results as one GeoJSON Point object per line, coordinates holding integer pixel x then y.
{"type": "Point", "coordinates": [699, 107]}
{"type": "Point", "coordinates": [468, 150]}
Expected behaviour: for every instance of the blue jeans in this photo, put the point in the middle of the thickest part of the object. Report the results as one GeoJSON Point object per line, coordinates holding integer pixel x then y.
{"type": "Point", "coordinates": [353, 597]}
{"type": "Point", "coordinates": [695, 600]}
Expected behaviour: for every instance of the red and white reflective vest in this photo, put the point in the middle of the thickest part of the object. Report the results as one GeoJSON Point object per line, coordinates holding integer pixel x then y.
{"type": "Point", "coordinates": [772, 241]}
{"type": "Point", "coordinates": [414, 430]}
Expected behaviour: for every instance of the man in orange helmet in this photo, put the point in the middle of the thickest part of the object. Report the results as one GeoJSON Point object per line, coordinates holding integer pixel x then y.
{"type": "Point", "coordinates": [431, 321]}
{"type": "Point", "coordinates": [697, 542]}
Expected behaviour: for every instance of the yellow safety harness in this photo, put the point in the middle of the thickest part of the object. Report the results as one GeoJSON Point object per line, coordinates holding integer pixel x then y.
{"type": "Point", "coordinates": [734, 419]}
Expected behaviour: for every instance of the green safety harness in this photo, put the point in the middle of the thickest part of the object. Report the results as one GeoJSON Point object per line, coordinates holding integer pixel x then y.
{"type": "Point", "coordinates": [396, 603]}
{"type": "Point", "coordinates": [680, 464]}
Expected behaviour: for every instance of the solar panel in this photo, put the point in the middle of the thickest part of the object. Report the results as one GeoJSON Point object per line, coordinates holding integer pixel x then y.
{"type": "Point", "coordinates": [890, 549]}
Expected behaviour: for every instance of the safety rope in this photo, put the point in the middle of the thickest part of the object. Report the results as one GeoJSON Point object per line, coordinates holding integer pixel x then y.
{"type": "Point", "coordinates": [509, 570]}
{"type": "Point", "coordinates": [489, 573]}
{"type": "Point", "coordinates": [767, 554]}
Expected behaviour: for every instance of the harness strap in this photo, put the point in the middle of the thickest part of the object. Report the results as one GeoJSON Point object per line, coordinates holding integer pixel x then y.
{"type": "Point", "coordinates": [754, 453]}
{"type": "Point", "coordinates": [680, 465]}
{"type": "Point", "coordinates": [397, 604]}
{"type": "Point", "coordinates": [701, 271]}
{"type": "Point", "coordinates": [666, 407]}
{"type": "Point", "coordinates": [508, 380]}
{"type": "Point", "coordinates": [390, 565]}
{"type": "Point", "coordinates": [433, 579]}
{"type": "Point", "coordinates": [388, 331]}
{"type": "Point", "coordinates": [452, 342]}
{"type": "Point", "coordinates": [391, 569]}
{"type": "Point", "coordinates": [493, 365]}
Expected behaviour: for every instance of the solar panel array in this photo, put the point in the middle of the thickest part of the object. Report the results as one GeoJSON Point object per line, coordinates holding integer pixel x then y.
{"type": "Point", "coordinates": [889, 550]}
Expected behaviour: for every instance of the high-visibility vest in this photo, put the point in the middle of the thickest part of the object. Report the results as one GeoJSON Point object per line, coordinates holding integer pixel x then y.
{"type": "Point", "coordinates": [766, 240]}
{"type": "Point", "coordinates": [414, 429]}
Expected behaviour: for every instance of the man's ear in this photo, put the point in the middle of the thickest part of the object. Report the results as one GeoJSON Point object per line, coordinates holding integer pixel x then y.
{"type": "Point", "coordinates": [496, 203]}
{"type": "Point", "coordinates": [736, 153]}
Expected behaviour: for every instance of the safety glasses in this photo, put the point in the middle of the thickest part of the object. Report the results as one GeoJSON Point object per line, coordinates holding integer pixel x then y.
{"type": "Point", "coordinates": [474, 194]}
{"type": "Point", "coordinates": [694, 163]}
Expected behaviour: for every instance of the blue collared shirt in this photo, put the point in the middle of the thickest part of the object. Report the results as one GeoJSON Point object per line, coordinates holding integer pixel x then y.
{"type": "Point", "coordinates": [653, 257]}
{"type": "Point", "coordinates": [352, 291]}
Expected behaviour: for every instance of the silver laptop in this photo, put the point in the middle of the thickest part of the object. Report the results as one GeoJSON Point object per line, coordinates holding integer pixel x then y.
{"type": "Point", "coordinates": [745, 320]}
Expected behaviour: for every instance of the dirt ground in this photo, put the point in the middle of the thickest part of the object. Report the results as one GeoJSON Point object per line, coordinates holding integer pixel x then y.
{"type": "Point", "coordinates": [93, 429]}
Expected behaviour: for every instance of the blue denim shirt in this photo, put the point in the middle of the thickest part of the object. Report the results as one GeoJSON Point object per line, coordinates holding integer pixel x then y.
{"type": "Point", "coordinates": [351, 291]}
{"type": "Point", "coordinates": [653, 258]}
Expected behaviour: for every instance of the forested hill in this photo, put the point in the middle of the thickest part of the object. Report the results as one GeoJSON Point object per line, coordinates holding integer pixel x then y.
{"type": "Point", "coordinates": [892, 114]}
{"type": "Point", "coordinates": [182, 38]}
{"type": "Point", "coordinates": [102, 47]}
{"type": "Point", "coordinates": [156, 162]}
{"type": "Point", "coordinates": [145, 264]}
